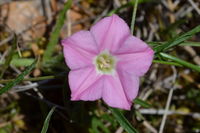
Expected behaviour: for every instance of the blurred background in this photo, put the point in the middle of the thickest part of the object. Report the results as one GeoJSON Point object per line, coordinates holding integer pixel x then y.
{"type": "Point", "coordinates": [24, 108]}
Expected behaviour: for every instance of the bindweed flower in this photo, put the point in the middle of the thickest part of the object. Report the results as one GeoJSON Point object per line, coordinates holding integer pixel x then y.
{"type": "Point", "coordinates": [106, 62]}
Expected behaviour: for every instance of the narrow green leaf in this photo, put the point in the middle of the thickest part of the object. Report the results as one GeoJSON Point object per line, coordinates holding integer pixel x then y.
{"type": "Point", "coordinates": [19, 78]}
{"type": "Point", "coordinates": [180, 61]}
{"type": "Point", "coordinates": [155, 44]}
{"type": "Point", "coordinates": [123, 121]}
{"type": "Point", "coordinates": [130, 3]}
{"type": "Point", "coordinates": [47, 120]}
{"type": "Point", "coordinates": [11, 52]}
{"type": "Point", "coordinates": [142, 103]}
{"type": "Point", "coordinates": [56, 32]}
{"type": "Point", "coordinates": [167, 62]}
{"type": "Point", "coordinates": [118, 9]}
{"type": "Point", "coordinates": [177, 40]}
{"type": "Point", "coordinates": [193, 44]}
{"type": "Point", "coordinates": [134, 15]}
{"type": "Point", "coordinates": [170, 31]}
{"type": "Point", "coordinates": [138, 114]}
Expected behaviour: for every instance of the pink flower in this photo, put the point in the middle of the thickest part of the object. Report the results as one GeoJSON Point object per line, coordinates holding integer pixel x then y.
{"type": "Point", "coordinates": [106, 62]}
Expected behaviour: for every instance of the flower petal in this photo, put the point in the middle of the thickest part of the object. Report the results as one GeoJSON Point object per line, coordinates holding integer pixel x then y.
{"type": "Point", "coordinates": [93, 92]}
{"type": "Point", "coordinates": [83, 40]}
{"type": "Point", "coordinates": [79, 49]}
{"type": "Point", "coordinates": [85, 84]}
{"type": "Point", "coordinates": [114, 94]}
{"type": "Point", "coordinates": [110, 32]}
{"type": "Point", "coordinates": [130, 84]}
{"type": "Point", "coordinates": [135, 63]}
{"type": "Point", "coordinates": [132, 45]}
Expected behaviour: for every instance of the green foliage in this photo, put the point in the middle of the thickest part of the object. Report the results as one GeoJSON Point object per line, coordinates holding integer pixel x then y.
{"type": "Point", "coordinates": [177, 40]}
{"type": "Point", "coordinates": [194, 95]}
{"type": "Point", "coordinates": [19, 78]}
{"type": "Point", "coordinates": [134, 15]}
{"type": "Point", "coordinates": [47, 120]}
{"type": "Point", "coordinates": [160, 47]}
{"type": "Point", "coordinates": [96, 125]}
{"type": "Point", "coordinates": [10, 55]}
{"type": "Point", "coordinates": [21, 62]}
{"type": "Point", "coordinates": [171, 30]}
{"type": "Point", "coordinates": [128, 4]}
{"type": "Point", "coordinates": [6, 129]}
{"type": "Point", "coordinates": [181, 62]}
{"type": "Point", "coordinates": [123, 121]}
{"type": "Point", "coordinates": [138, 114]}
{"type": "Point", "coordinates": [142, 103]}
{"type": "Point", "coordinates": [193, 44]}
{"type": "Point", "coordinates": [110, 119]}
{"type": "Point", "coordinates": [167, 63]}
{"type": "Point", "coordinates": [56, 32]}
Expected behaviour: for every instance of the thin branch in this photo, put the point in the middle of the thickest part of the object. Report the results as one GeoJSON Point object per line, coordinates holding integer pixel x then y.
{"type": "Point", "coordinates": [168, 102]}
{"type": "Point", "coordinates": [150, 111]}
{"type": "Point", "coordinates": [195, 6]}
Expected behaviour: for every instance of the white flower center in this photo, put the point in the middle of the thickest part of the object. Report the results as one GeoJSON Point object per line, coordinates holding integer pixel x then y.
{"type": "Point", "coordinates": [105, 63]}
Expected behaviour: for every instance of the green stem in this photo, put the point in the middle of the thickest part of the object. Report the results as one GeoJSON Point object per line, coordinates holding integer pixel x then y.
{"type": "Point", "coordinates": [18, 79]}
{"type": "Point", "coordinates": [31, 79]}
{"type": "Point", "coordinates": [128, 4]}
{"type": "Point", "coordinates": [134, 16]}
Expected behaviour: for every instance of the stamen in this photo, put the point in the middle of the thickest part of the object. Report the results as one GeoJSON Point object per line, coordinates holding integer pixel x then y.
{"type": "Point", "coordinates": [105, 63]}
